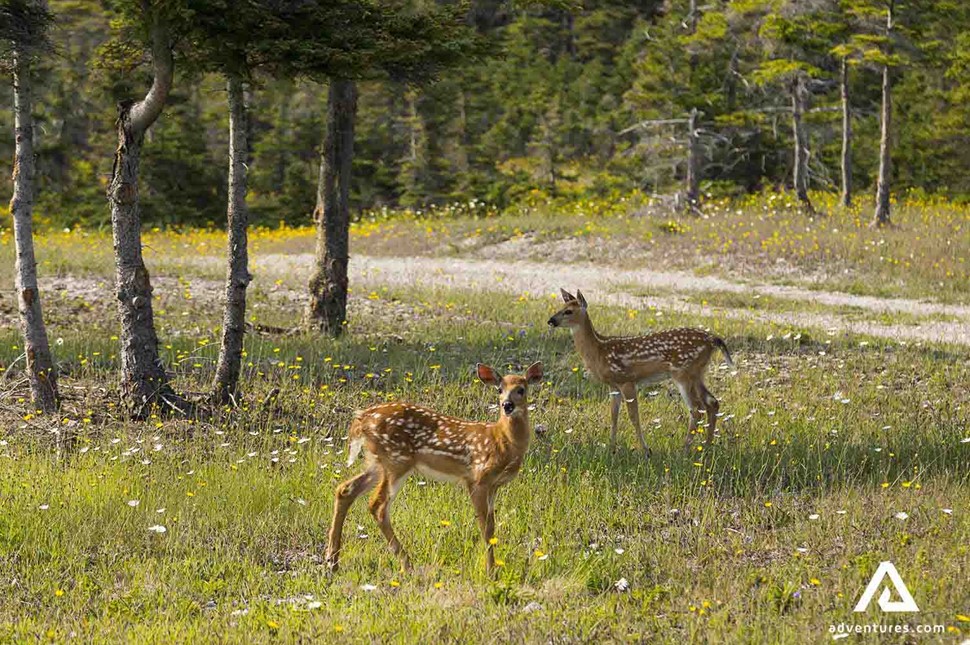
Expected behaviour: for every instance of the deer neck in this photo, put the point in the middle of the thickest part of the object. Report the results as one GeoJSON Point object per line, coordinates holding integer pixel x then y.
{"type": "Point", "coordinates": [587, 341]}
{"type": "Point", "coordinates": [513, 432]}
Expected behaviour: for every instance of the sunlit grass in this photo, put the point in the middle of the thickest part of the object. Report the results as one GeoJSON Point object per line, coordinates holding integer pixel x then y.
{"type": "Point", "coordinates": [768, 536]}
{"type": "Point", "coordinates": [926, 254]}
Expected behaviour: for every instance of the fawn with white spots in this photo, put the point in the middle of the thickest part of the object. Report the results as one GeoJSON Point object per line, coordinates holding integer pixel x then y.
{"type": "Point", "coordinates": [624, 361]}
{"type": "Point", "coordinates": [399, 438]}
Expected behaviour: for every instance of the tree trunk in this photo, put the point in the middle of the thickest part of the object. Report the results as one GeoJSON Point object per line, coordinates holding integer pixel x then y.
{"type": "Point", "coordinates": [237, 274]}
{"type": "Point", "coordinates": [460, 156]}
{"type": "Point", "coordinates": [144, 382]}
{"type": "Point", "coordinates": [282, 134]}
{"type": "Point", "coordinates": [414, 175]}
{"type": "Point", "coordinates": [885, 161]}
{"type": "Point", "coordinates": [732, 81]}
{"type": "Point", "coordinates": [692, 19]}
{"type": "Point", "coordinates": [40, 364]}
{"type": "Point", "coordinates": [846, 197]}
{"type": "Point", "coordinates": [882, 217]}
{"type": "Point", "coordinates": [800, 179]}
{"type": "Point", "coordinates": [327, 310]}
{"type": "Point", "coordinates": [693, 180]}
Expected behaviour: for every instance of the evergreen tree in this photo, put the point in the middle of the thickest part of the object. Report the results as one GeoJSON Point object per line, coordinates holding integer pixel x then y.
{"type": "Point", "coordinates": [797, 37]}
{"type": "Point", "coordinates": [144, 382]}
{"type": "Point", "coordinates": [556, 101]}
{"type": "Point", "coordinates": [878, 40]}
{"type": "Point", "coordinates": [414, 44]}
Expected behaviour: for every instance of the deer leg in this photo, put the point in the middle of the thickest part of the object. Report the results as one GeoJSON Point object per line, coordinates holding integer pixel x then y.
{"type": "Point", "coordinates": [629, 392]}
{"type": "Point", "coordinates": [711, 405]}
{"type": "Point", "coordinates": [380, 508]}
{"type": "Point", "coordinates": [345, 496]}
{"type": "Point", "coordinates": [483, 500]}
{"type": "Point", "coordinates": [615, 401]}
{"type": "Point", "coordinates": [689, 395]}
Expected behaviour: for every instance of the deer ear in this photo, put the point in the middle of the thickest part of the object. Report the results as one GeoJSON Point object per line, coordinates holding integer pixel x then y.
{"type": "Point", "coordinates": [566, 296]}
{"type": "Point", "coordinates": [488, 376]}
{"type": "Point", "coordinates": [534, 373]}
{"type": "Point", "coordinates": [581, 299]}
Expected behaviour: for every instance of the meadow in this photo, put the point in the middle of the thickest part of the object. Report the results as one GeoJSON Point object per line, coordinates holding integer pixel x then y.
{"type": "Point", "coordinates": [836, 451]}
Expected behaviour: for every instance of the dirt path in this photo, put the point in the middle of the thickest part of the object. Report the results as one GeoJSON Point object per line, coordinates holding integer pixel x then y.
{"type": "Point", "coordinates": [278, 274]}
{"type": "Point", "coordinates": [613, 286]}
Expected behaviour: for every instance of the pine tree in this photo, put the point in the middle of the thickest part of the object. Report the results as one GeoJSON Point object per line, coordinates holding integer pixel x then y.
{"type": "Point", "coordinates": [415, 43]}
{"type": "Point", "coordinates": [144, 382]}
{"type": "Point", "coordinates": [796, 39]}
{"type": "Point", "coordinates": [877, 40]}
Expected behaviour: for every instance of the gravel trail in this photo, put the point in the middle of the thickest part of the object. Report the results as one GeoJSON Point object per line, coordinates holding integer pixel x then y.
{"type": "Point", "coordinates": [613, 286]}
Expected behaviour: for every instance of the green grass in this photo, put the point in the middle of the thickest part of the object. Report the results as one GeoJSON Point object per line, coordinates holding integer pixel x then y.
{"type": "Point", "coordinates": [763, 238]}
{"type": "Point", "coordinates": [717, 545]}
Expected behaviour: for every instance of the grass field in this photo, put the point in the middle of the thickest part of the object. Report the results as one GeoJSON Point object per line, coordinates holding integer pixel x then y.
{"type": "Point", "coordinates": [837, 451]}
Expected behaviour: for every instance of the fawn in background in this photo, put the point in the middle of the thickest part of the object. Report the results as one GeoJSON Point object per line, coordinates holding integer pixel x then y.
{"type": "Point", "coordinates": [623, 361]}
{"type": "Point", "coordinates": [399, 438]}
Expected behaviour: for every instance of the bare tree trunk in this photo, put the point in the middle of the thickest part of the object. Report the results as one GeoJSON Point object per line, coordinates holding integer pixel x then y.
{"type": "Point", "coordinates": [846, 197]}
{"type": "Point", "coordinates": [40, 364]}
{"type": "Point", "coordinates": [282, 132]}
{"type": "Point", "coordinates": [800, 179]}
{"type": "Point", "coordinates": [885, 160]}
{"type": "Point", "coordinates": [693, 180]}
{"type": "Point", "coordinates": [460, 156]}
{"type": "Point", "coordinates": [144, 382]}
{"type": "Point", "coordinates": [414, 173]}
{"type": "Point", "coordinates": [693, 17]}
{"type": "Point", "coordinates": [732, 80]}
{"type": "Point", "coordinates": [237, 274]}
{"type": "Point", "coordinates": [327, 310]}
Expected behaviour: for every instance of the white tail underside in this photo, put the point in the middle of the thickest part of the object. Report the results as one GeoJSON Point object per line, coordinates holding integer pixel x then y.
{"type": "Point", "coordinates": [356, 445]}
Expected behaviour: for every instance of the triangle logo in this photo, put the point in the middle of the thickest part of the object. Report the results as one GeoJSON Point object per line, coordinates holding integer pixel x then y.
{"type": "Point", "coordinates": [906, 601]}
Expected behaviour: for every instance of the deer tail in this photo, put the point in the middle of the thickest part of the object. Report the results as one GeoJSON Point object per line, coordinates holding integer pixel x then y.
{"type": "Point", "coordinates": [721, 345]}
{"type": "Point", "coordinates": [356, 438]}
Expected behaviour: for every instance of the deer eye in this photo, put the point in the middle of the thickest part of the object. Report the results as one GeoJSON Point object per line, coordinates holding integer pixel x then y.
{"type": "Point", "coordinates": [568, 312]}
{"type": "Point", "coordinates": [521, 391]}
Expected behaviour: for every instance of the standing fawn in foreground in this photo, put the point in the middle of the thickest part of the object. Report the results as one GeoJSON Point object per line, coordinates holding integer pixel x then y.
{"type": "Point", "coordinates": [624, 361]}
{"type": "Point", "coordinates": [399, 438]}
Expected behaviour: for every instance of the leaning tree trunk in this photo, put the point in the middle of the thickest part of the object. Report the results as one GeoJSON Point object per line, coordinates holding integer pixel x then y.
{"type": "Point", "coordinates": [237, 275]}
{"type": "Point", "coordinates": [144, 383]}
{"type": "Point", "coordinates": [800, 179]}
{"type": "Point", "coordinates": [846, 197]}
{"type": "Point", "coordinates": [327, 310]}
{"type": "Point", "coordinates": [40, 364]}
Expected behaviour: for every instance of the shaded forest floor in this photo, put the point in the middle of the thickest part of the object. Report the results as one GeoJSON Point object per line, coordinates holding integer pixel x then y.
{"type": "Point", "coordinates": [840, 446]}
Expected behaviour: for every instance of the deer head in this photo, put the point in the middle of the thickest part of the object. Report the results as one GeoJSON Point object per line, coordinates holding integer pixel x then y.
{"type": "Point", "coordinates": [513, 388]}
{"type": "Point", "coordinates": [573, 314]}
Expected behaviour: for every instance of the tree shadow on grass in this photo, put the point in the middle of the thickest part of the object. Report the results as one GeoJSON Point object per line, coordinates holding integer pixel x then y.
{"type": "Point", "coordinates": [804, 464]}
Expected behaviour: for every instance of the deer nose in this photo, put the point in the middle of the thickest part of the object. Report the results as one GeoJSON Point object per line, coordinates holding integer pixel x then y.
{"type": "Point", "coordinates": [508, 406]}
{"type": "Point", "coordinates": [552, 322]}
